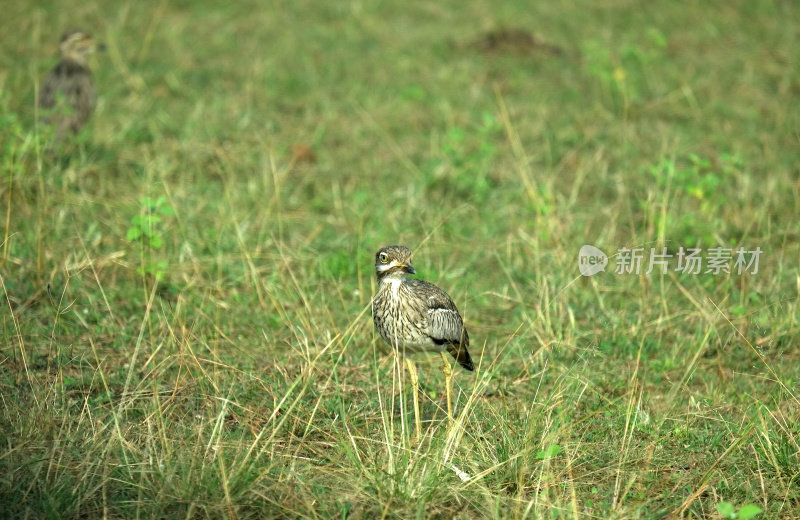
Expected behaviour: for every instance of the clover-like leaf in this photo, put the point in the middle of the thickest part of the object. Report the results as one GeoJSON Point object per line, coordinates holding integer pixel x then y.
{"type": "Point", "coordinates": [156, 241]}
{"type": "Point", "coordinates": [726, 509]}
{"type": "Point", "coordinates": [134, 233]}
{"type": "Point", "coordinates": [549, 452]}
{"type": "Point", "coordinates": [748, 511]}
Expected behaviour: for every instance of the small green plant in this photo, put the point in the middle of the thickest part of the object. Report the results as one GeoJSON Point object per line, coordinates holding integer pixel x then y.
{"type": "Point", "coordinates": [147, 228]}
{"type": "Point", "coordinates": [467, 156]}
{"type": "Point", "coordinates": [703, 180]}
{"type": "Point", "coordinates": [549, 452]}
{"type": "Point", "coordinates": [622, 69]}
{"type": "Point", "coordinates": [459, 154]}
{"type": "Point", "coordinates": [603, 65]}
{"type": "Point", "coordinates": [728, 510]}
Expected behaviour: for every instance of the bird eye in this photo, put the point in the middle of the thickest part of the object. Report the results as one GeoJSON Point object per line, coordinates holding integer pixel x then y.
{"type": "Point", "coordinates": [384, 258]}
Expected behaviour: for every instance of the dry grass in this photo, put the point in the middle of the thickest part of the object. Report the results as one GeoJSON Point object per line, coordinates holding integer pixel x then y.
{"type": "Point", "coordinates": [219, 361]}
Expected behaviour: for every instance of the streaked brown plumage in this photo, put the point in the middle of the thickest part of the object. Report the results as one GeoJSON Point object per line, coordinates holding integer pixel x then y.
{"type": "Point", "coordinates": [67, 96]}
{"type": "Point", "coordinates": [416, 316]}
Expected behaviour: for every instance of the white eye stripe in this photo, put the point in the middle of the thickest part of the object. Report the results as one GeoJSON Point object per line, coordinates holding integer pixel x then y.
{"type": "Point", "coordinates": [385, 267]}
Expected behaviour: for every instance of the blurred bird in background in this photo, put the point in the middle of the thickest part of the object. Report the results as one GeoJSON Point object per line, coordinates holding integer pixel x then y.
{"type": "Point", "coordinates": [67, 96]}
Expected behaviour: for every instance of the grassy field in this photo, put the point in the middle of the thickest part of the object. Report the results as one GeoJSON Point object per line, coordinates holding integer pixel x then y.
{"type": "Point", "coordinates": [186, 330]}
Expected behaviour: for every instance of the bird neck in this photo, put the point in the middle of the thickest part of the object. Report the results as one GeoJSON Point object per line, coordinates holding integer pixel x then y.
{"type": "Point", "coordinates": [391, 278]}
{"type": "Point", "coordinates": [390, 285]}
{"type": "Point", "coordinates": [77, 58]}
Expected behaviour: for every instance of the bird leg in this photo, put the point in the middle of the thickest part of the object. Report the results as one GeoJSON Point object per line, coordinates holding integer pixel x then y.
{"type": "Point", "coordinates": [448, 375]}
{"type": "Point", "coordinates": [412, 372]}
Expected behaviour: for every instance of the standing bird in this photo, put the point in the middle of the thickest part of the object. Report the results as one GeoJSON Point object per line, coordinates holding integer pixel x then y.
{"type": "Point", "coordinates": [416, 316]}
{"type": "Point", "coordinates": [67, 96]}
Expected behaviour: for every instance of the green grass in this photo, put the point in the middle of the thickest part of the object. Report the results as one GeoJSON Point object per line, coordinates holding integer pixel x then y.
{"type": "Point", "coordinates": [220, 361]}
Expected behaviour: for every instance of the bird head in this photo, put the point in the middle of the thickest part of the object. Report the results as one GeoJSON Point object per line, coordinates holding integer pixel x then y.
{"type": "Point", "coordinates": [77, 46]}
{"type": "Point", "coordinates": [393, 262]}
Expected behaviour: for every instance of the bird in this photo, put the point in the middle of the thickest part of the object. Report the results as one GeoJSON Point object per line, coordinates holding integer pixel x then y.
{"type": "Point", "coordinates": [67, 96]}
{"type": "Point", "coordinates": [413, 315]}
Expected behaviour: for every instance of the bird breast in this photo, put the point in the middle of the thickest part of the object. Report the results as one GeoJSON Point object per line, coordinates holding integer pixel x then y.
{"type": "Point", "coordinates": [399, 317]}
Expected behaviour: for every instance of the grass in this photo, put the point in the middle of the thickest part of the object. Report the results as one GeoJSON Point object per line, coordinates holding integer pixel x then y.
{"type": "Point", "coordinates": [186, 329]}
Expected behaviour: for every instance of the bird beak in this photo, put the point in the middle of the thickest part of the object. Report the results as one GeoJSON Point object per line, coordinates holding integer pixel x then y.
{"type": "Point", "coordinates": [409, 269]}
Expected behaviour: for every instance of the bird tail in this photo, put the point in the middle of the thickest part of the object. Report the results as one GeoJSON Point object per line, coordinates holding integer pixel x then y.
{"type": "Point", "coordinates": [461, 354]}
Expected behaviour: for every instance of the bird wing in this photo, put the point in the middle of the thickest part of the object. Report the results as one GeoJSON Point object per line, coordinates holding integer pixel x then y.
{"type": "Point", "coordinates": [84, 90]}
{"type": "Point", "coordinates": [68, 92]}
{"type": "Point", "coordinates": [445, 326]}
{"type": "Point", "coordinates": [49, 92]}
{"type": "Point", "coordinates": [444, 322]}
